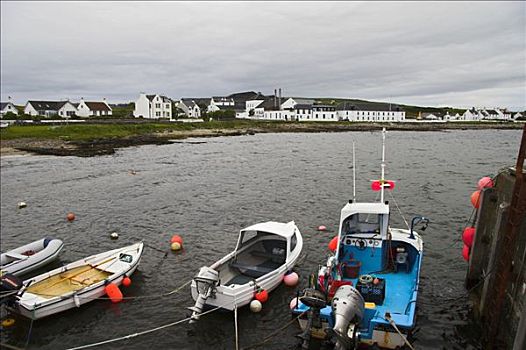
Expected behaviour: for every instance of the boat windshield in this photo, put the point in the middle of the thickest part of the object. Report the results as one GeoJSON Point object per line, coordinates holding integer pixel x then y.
{"type": "Point", "coordinates": [362, 223]}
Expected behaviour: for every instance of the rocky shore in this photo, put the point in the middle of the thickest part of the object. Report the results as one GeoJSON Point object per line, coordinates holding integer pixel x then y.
{"type": "Point", "coordinates": [105, 146]}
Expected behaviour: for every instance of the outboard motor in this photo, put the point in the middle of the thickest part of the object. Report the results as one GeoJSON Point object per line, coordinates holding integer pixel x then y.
{"type": "Point", "coordinates": [206, 282]}
{"type": "Point", "coordinates": [348, 309]}
{"type": "Point", "coordinates": [9, 287]}
{"type": "Point", "coordinates": [315, 300]}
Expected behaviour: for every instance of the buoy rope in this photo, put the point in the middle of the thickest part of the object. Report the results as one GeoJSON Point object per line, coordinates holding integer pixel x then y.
{"type": "Point", "coordinates": [388, 318]}
{"type": "Point", "coordinates": [7, 346]}
{"type": "Point", "coordinates": [271, 335]}
{"type": "Point", "coordinates": [133, 335]}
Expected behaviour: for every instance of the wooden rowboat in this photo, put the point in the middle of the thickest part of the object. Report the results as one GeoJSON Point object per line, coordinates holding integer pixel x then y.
{"type": "Point", "coordinates": [77, 283]}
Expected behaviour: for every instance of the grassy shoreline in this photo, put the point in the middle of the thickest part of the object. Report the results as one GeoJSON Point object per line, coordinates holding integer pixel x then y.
{"type": "Point", "coordinates": [93, 139]}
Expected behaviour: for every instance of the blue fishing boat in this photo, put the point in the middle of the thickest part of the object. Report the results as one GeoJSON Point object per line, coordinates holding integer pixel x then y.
{"type": "Point", "coordinates": [365, 294]}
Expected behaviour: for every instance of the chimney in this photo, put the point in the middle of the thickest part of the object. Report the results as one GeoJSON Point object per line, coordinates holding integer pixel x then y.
{"type": "Point", "coordinates": [279, 99]}
{"type": "Point", "coordinates": [275, 93]}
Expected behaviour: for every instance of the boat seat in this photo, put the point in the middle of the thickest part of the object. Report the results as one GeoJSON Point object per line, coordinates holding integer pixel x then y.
{"type": "Point", "coordinates": [16, 255]}
{"type": "Point", "coordinates": [274, 257]}
{"type": "Point", "coordinates": [254, 271]}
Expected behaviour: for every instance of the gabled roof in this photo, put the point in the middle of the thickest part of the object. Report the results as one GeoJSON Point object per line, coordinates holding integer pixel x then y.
{"type": "Point", "coordinates": [47, 105]}
{"type": "Point", "coordinates": [242, 97]}
{"type": "Point", "coordinates": [4, 104]}
{"type": "Point", "coordinates": [492, 112]}
{"type": "Point", "coordinates": [189, 102]}
{"type": "Point", "coordinates": [164, 98]}
{"type": "Point", "coordinates": [97, 106]}
{"type": "Point", "coordinates": [300, 101]}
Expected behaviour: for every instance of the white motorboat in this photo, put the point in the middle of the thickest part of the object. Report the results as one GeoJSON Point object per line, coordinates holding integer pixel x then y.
{"type": "Point", "coordinates": [75, 284]}
{"type": "Point", "coordinates": [264, 253]}
{"type": "Point", "coordinates": [31, 256]}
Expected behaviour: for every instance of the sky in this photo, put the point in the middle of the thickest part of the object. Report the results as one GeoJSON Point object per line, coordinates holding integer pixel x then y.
{"type": "Point", "coordinates": [458, 54]}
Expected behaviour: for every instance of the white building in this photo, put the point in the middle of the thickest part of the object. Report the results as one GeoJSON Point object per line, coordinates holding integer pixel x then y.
{"type": "Point", "coordinates": [153, 107]}
{"type": "Point", "coordinates": [291, 102]}
{"type": "Point", "coordinates": [93, 109]}
{"type": "Point", "coordinates": [8, 107]}
{"type": "Point", "coordinates": [63, 109]}
{"type": "Point", "coordinates": [517, 116]}
{"type": "Point", "coordinates": [220, 102]}
{"type": "Point", "coordinates": [189, 108]}
{"type": "Point", "coordinates": [373, 112]}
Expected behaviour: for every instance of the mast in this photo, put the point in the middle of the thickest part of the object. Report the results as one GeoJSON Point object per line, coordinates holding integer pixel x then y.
{"type": "Point", "coordinates": [383, 167]}
{"type": "Point", "coordinates": [353, 174]}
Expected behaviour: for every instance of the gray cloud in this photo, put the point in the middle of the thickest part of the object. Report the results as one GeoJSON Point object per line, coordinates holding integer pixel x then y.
{"type": "Point", "coordinates": [453, 53]}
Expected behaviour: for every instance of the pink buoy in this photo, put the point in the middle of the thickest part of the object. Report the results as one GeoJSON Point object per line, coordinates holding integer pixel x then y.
{"type": "Point", "coordinates": [291, 279]}
{"type": "Point", "coordinates": [333, 244]}
{"type": "Point", "coordinates": [177, 239]}
{"type": "Point", "coordinates": [322, 228]}
{"type": "Point", "coordinates": [468, 236]}
{"type": "Point", "coordinates": [465, 252]}
{"type": "Point", "coordinates": [475, 199]}
{"type": "Point", "coordinates": [485, 182]}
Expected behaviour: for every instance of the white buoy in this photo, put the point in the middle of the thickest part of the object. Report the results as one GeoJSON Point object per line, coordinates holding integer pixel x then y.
{"type": "Point", "coordinates": [22, 205]}
{"type": "Point", "coordinates": [255, 306]}
{"type": "Point", "coordinates": [114, 235]}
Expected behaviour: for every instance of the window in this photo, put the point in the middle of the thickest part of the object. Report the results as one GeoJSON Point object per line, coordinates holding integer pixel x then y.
{"type": "Point", "coordinates": [157, 105]}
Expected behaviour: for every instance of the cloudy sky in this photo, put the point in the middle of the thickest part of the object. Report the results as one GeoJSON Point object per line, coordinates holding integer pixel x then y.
{"type": "Point", "coordinates": [437, 54]}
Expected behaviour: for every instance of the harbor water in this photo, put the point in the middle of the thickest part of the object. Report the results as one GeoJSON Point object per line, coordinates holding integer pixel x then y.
{"type": "Point", "coordinates": [206, 190]}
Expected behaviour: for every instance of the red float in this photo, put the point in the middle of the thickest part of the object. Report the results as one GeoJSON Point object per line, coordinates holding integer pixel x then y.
{"type": "Point", "coordinates": [70, 216]}
{"type": "Point", "coordinates": [475, 199]}
{"type": "Point", "coordinates": [261, 296]}
{"type": "Point", "coordinates": [113, 292]}
{"type": "Point", "coordinates": [333, 244]}
{"type": "Point", "coordinates": [465, 252]}
{"type": "Point", "coordinates": [387, 184]}
{"type": "Point", "coordinates": [178, 239]}
{"type": "Point", "coordinates": [468, 236]}
{"type": "Point", "coordinates": [126, 281]}
{"type": "Point", "coordinates": [485, 182]}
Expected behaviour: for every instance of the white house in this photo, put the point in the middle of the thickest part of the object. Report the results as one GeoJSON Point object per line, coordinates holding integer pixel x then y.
{"type": "Point", "coordinates": [93, 109]}
{"type": "Point", "coordinates": [8, 107]}
{"type": "Point", "coordinates": [153, 107]}
{"type": "Point", "coordinates": [64, 109]}
{"type": "Point", "coordinates": [217, 102]}
{"type": "Point", "coordinates": [377, 112]}
{"type": "Point", "coordinates": [189, 108]}
{"type": "Point", "coordinates": [472, 115]}
{"type": "Point", "coordinates": [517, 116]}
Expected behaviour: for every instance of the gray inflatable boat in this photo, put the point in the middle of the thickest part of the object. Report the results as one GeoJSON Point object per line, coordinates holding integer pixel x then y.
{"type": "Point", "coordinates": [30, 256]}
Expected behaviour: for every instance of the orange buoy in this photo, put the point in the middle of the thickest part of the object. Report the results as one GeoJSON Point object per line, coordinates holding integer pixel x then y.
{"type": "Point", "coordinates": [177, 238]}
{"type": "Point", "coordinates": [465, 252]}
{"type": "Point", "coordinates": [70, 216]}
{"type": "Point", "coordinates": [475, 199]}
{"type": "Point", "coordinates": [485, 182]}
{"type": "Point", "coordinates": [113, 292]}
{"type": "Point", "coordinates": [261, 295]}
{"type": "Point", "coordinates": [126, 281]}
{"type": "Point", "coordinates": [468, 236]}
{"type": "Point", "coordinates": [333, 244]}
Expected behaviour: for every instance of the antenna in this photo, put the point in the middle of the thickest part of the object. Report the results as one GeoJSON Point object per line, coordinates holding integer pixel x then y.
{"type": "Point", "coordinates": [353, 174]}
{"type": "Point", "coordinates": [383, 167]}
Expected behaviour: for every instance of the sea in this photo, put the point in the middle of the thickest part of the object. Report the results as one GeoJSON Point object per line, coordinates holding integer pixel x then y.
{"type": "Point", "coordinates": [206, 190]}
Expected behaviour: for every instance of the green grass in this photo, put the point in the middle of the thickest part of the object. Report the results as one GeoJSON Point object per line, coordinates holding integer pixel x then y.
{"type": "Point", "coordinates": [86, 132]}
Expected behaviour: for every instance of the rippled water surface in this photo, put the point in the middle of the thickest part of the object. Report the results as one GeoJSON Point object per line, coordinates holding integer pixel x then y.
{"type": "Point", "coordinates": [207, 189]}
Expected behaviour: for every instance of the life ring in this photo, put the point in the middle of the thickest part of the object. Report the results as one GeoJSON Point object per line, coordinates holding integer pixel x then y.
{"type": "Point", "coordinates": [365, 279]}
{"type": "Point", "coordinates": [8, 322]}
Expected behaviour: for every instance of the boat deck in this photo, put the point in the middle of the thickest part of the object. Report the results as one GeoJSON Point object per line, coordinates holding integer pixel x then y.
{"type": "Point", "coordinates": [69, 281]}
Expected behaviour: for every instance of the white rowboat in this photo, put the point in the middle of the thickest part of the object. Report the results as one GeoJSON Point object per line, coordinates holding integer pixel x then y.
{"type": "Point", "coordinates": [77, 283]}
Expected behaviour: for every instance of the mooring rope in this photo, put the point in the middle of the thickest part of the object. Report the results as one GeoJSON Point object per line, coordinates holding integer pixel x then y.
{"type": "Point", "coordinates": [271, 335]}
{"type": "Point", "coordinates": [392, 323]}
{"type": "Point", "coordinates": [399, 210]}
{"type": "Point", "coordinates": [133, 335]}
